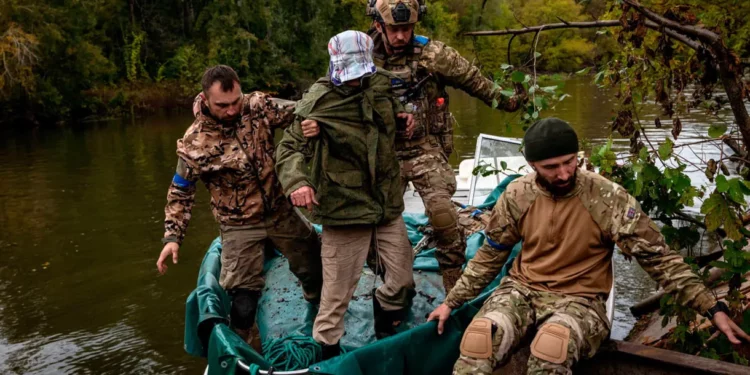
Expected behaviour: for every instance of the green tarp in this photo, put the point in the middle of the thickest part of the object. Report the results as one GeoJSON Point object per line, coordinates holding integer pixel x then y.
{"type": "Point", "coordinates": [283, 312]}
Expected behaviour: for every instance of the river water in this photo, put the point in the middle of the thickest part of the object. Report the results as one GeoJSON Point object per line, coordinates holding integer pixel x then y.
{"type": "Point", "coordinates": [81, 210]}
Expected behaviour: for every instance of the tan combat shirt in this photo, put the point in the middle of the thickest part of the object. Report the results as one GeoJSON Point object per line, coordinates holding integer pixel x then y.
{"type": "Point", "coordinates": [568, 243]}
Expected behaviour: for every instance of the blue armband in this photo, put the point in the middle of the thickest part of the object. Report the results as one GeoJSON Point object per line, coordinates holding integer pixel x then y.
{"type": "Point", "coordinates": [181, 181]}
{"type": "Point", "coordinates": [496, 245]}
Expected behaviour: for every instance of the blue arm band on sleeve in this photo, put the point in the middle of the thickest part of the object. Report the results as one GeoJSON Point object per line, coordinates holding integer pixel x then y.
{"type": "Point", "coordinates": [496, 245]}
{"type": "Point", "coordinates": [181, 181]}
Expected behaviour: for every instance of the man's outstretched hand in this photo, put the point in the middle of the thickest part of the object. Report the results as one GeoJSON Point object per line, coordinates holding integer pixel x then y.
{"type": "Point", "coordinates": [170, 249]}
{"type": "Point", "coordinates": [441, 314]}
{"type": "Point", "coordinates": [723, 323]}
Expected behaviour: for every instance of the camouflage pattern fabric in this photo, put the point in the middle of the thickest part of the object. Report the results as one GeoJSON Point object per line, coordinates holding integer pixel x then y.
{"type": "Point", "coordinates": [243, 249]}
{"type": "Point", "coordinates": [516, 309]}
{"type": "Point", "coordinates": [423, 71]}
{"type": "Point", "coordinates": [234, 161]}
{"type": "Point", "coordinates": [618, 215]}
{"type": "Point", "coordinates": [435, 181]}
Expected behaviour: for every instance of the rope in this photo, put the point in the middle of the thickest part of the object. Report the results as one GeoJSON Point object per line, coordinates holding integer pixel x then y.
{"type": "Point", "coordinates": [254, 369]}
{"type": "Point", "coordinates": [292, 352]}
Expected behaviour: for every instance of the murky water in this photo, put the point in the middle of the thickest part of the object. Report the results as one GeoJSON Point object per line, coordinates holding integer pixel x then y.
{"type": "Point", "coordinates": [81, 212]}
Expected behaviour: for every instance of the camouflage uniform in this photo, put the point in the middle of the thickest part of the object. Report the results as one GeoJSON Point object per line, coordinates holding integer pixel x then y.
{"type": "Point", "coordinates": [236, 164]}
{"type": "Point", "coordinates": [423, 71]}
{"type": "Point", "coordinates": [517, 305]}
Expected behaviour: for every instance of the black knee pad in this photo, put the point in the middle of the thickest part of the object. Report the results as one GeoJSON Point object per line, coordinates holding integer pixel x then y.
{"type": "Point", "coordinates": [244, 307]}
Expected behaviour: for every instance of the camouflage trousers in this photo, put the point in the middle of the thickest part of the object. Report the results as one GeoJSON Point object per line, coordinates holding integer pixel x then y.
{"type": "Point", "coordinates": [243, 248]}
{"type": "Point", "coordinates": [514, 309]}
{"type": "Point", "coordinates": [435, 181]}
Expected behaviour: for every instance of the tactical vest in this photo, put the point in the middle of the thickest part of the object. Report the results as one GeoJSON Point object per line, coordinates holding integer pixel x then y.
{"type": "Point", "coordinates": [423, 94]}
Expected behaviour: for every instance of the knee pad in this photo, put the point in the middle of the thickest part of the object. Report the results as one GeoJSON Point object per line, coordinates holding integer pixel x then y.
{"type": "Point", "coordinates": [551, 343]}
{"type": "Point", "coordinates": [244, 307]}
{"type": "Point", "coordinates": [443, 216]}
{"type": "Point", "coordinates": [477, 340]}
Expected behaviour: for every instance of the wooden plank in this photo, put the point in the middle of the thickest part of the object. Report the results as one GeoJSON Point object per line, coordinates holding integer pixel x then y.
{"type": "Point", "coordinates": [625, 358]}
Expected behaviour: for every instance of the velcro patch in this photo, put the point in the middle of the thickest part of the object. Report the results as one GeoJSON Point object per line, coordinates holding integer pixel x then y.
{"type": "Point", "coordinates": [631, 212]}
{"type": "Point", "coordinates": [397, 83]}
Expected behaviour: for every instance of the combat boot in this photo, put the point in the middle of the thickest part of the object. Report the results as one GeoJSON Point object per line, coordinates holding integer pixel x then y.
{"type": "Point", "coordinates": [385, 321]}
{"type": "Point", "coordinates": [242, 315]}
{"type": "Point", "coordinates": [330, 351]}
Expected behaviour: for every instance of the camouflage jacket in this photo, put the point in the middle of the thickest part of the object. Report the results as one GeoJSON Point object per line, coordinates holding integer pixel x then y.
{"type": "Point", "coordinates": [236, 163]}
{"type": "Point", "coordinates": [423, 71]}
{"type": "Point", "coordinates": [619, 219]}
{"type": "Point", "coordinates": [353, 165]}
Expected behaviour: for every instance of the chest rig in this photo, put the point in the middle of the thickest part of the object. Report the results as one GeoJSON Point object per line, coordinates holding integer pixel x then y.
{"type": "Point", "coordinates": [423, 94]}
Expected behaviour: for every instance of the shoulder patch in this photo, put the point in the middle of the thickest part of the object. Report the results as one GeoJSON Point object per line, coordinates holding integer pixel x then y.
{"type": "Point", "coordinates": [631, 212]}
{"type": "Point", "coordinates": [421, 39]}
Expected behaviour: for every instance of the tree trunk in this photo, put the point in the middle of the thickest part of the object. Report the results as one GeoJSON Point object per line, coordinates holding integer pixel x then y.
{"type": "Point", "coordinates": [132, 12]}
{"type": "Point", "coordinates": [734, 87]}
{"type": "Point", "coordinates": [187, 17]}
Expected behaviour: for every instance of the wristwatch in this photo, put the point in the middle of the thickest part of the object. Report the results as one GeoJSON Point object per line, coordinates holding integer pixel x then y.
{"type": "Point", "coordinates": [719, 306]}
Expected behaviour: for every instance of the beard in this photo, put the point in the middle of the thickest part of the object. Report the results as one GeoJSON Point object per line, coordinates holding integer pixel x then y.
{"type": "Point", "coordinates": [558, 188]}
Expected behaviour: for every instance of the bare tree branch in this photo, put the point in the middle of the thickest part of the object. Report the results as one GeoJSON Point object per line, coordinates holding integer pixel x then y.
{"type": "Point", "coordinates": [526, 30]}
{"type": "Point", "coordinates": [698, 32]}
{"type": "Point", "coordinates": [587, 25]}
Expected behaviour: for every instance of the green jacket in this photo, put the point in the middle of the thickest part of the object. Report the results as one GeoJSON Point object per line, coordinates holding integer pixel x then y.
{"type": "Point", "coordinates": [353, 168]}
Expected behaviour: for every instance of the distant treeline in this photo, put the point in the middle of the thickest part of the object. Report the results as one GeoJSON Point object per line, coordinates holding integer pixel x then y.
{"type": "Point", "coordinates": [76, 58]}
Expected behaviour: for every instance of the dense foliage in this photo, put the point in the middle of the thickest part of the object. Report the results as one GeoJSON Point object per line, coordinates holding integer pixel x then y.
{"type": "Point", "coordinates": [72, 58]}
{"type": "Point", "coordinates": [681, 72]}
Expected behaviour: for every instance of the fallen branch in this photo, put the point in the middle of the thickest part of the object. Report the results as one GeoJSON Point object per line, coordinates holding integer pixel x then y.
{"type": "Point", "coordinates": [697, 32]}
{"type": "Point", "coordinates": [587, 25]}
{"type": "Point", "coordinates": [568, 25]}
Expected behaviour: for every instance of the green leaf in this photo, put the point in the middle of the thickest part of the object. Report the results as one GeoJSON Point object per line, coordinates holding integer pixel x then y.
{"type": "Point", "coordinates": [665, 149]}
{"type": "Point", "coordinates": [722, 185]}
{"type": "Point", "coordinates": [736, 191]}
{"type": "Point", "coordinates": [537, 55]}
{"type": "Point", "coordinates": [716, 131]}
{"type": "Point", "coordinates": [651, 173]}
{"type": "Point", "coordinates": [563, 96]}
{"type": "Point", "coordinates": [517, 76]}
{"type": "Point", "coordinates": [506, 66]}
{"type": "Point", "coordinates": [503, 165]}
{"type": "Point", "coordinates": [538, 101]}
{"type": "Point", "coordinates": [599, 77]}
{"type": "Point", "coordinates": [602, 32]}
{"type": "Point", "coordinates": [583, 71]}
{"type": "Point", "coordinates": [507, 93]}
{"type": "Point", "coordinates": [495, 103]}
{"type": "Point", "coordinates": [549, 89]}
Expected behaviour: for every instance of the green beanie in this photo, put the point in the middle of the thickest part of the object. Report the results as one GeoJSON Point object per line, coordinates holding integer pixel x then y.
{"type": "Point", "coordinates": [549, 138]}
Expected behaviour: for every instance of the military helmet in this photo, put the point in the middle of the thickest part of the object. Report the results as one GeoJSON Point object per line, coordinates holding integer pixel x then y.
{"type": "Point", "coordinates": [396, 12]}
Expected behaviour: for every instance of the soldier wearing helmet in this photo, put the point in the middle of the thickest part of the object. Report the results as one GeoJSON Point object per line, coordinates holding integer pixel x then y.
{"type": "Point", "coordinates": [423, 69]}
